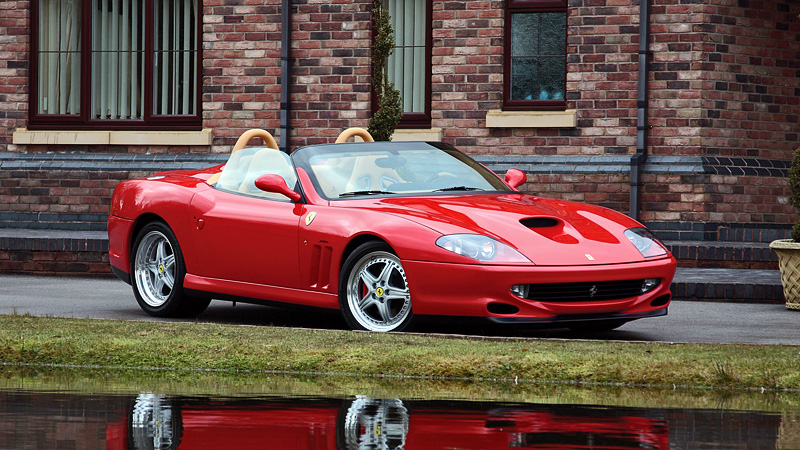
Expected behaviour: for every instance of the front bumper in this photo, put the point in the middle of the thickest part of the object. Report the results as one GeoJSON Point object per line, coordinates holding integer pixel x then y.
{"type": "Point", "coordinates": [581, 318]}
{"type": "Point", "coordinates": [485, 291]}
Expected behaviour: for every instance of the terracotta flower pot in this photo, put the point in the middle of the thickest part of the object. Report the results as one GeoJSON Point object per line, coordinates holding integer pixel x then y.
{"type": "Point", "coordinates": [789, 263]}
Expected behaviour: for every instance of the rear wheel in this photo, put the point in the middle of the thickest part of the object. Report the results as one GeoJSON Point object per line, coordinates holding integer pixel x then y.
{"type": "Point", "coordinates": [373, 290]}
{"type": "Point", "coordinates": [158, 270]}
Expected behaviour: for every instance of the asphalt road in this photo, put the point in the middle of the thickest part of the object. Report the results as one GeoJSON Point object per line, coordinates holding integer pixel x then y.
{"type": "Point", "coordinates": [107, 298]}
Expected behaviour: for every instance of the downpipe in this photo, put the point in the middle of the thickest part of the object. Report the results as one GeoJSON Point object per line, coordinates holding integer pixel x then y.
{"type": "Point", "coordinates": [640, 158]}
{"type": "Point", "coordinates": [286, 81]}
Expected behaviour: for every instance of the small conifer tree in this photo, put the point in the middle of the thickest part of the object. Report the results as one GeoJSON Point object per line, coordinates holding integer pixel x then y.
{"type": "Point", "coordinates": [383, 123]}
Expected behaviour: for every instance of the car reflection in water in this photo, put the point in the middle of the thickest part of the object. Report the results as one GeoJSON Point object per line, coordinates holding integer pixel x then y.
{"type": "Point", "coordinates": [159, 422]}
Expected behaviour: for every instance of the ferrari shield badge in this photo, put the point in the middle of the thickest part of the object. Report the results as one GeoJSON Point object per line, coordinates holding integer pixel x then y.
{"type": "Point", "coordinates": [310, 218]}
{"type": "Point", "coordinates": [588, 256]}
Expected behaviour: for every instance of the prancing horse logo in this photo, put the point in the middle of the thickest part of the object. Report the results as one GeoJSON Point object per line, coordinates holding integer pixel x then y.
{"type": "Point", "coordinates": [593, 291]}
{"type": "Point", "coordinates": [310, 218]}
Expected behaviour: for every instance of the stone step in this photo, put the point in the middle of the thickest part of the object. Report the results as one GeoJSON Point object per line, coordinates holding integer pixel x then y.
{"type": "Point", "coordinates": [54, 252]}
{"type": "Point", "coordinates": [728, 285]}
{"type": "Point", "coordinates": [724, 254]}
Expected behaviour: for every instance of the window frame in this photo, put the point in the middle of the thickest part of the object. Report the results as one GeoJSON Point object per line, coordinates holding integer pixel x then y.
{"type": "Point", "coordinates": [530, 6]}
{"type": "Point", "coordinates": [422, 119]}
{"type": "Point", "coordinates": [84, 121]}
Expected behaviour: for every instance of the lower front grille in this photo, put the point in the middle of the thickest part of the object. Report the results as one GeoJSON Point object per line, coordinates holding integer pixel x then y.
{"type": "Point", "coordinates": [585, 292]}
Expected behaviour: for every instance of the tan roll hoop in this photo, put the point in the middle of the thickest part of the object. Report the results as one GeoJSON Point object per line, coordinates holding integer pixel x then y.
{"type": "Point", "coordinates": [355, 131]}
{"type": "Point", "coordinates": [250, 134]}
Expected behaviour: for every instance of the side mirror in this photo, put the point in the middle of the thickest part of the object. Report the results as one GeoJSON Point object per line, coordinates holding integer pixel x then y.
{"type": "Point", "coordinates": [516, 178]}
{"type": "Point", "coordinates": [276, 183]}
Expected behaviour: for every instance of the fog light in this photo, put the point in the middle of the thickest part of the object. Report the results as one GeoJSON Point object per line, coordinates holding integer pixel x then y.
{"type": "Point", "coordinates": [649, 284]}
{"type": "Point", "coordinates": [520, 290]}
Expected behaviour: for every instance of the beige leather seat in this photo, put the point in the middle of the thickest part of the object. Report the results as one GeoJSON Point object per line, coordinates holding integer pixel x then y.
{"type": "Point", "coordinates": [368, 176]}
{"type": "Point", "coordinates": [268, 161]}
{"type": "Point", "coordinates": [230, 179]}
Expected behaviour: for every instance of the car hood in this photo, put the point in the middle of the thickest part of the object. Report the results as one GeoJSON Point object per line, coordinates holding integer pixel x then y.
{"type": "Point", "coordinates": [546, 231]}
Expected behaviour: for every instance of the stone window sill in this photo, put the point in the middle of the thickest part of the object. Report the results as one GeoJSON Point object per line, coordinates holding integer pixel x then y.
{"type": "Point", "coordinates": [23, 136]}
{"type": "Point", "coordinates": [419, 134]}
{"type": "Point", "coordinates": [531, 119]}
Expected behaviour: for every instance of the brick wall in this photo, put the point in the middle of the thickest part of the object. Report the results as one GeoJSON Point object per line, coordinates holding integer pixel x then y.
{"type": "Point", "coordinates": [725, 86]}
{"type": "Point", "coordinates": [601, 79]}
{"type": "Point", "coordinates": [54, 196]}
{"type": "Point", "coordinates": [724, 90]}
{"type": "Point", "coordinates": [14, 39]}
{"type": "Point", "coordinates": [467, 71]}
{"type": "Point", "coordinates": [330, 69]}
{"type": "Point", "coordinates": [241, 68]}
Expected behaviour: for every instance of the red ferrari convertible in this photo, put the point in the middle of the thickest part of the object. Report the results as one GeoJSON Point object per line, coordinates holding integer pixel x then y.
{"type": "Point", "coordinates": [385, 232]}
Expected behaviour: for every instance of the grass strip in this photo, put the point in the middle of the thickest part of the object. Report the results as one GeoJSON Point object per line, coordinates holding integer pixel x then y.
{"type": "Point", "coordinates": [216, 347]}
{"type": "Point", "coordinates": [258, 385]}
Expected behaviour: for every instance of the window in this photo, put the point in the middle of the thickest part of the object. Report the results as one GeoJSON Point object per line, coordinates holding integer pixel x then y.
{"type": "Point", "coordinates": [409, 65]}
{"type": "Point", "coordinates": [115, 64]}
{"type": "Point", "coordinates": [535, 55]}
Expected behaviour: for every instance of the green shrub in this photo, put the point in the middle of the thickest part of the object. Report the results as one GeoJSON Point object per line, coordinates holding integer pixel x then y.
{"type": "Point", "coordinates": [383, 123]}
{"type": "Point", "coordinates": [794, 189]}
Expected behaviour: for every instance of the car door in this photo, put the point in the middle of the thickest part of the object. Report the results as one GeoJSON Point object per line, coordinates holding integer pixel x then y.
{"type": "Point", "coordinates": [245, 238]}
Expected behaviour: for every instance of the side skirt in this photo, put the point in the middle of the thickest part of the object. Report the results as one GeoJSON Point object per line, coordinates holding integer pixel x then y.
{"type": "Point", "coordinates": [257, 293]}
{"type": "Point", "coordinates": [253, 301]}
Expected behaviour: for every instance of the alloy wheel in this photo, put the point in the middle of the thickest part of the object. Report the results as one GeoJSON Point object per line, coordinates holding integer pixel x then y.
{"type": "Point", "coordinates": [377, 292]}
{"type": "Point", "coordinates": [154, 269]}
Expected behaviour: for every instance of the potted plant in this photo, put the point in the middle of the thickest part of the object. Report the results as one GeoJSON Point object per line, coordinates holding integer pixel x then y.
{"type": "Point", "coordinates": [788, 250]}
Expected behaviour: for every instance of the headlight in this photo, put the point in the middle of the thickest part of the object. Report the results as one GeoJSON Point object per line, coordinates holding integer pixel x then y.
{"type": "Point", "coordinates": [646, 242]}
{"type": "Point", "coordinates": [481, 248]}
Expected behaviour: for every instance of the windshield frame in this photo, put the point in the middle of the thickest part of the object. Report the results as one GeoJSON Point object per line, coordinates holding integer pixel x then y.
{"type": "Point", "coordinates": [302, 158]}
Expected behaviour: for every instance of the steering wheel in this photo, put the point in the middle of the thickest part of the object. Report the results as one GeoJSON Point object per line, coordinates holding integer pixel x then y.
{"type": "Point", "coordinates": [438, 175]}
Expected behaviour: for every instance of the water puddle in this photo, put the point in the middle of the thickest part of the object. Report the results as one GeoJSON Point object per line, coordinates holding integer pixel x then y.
{"type": "Point", "coordinates": [36, 419]}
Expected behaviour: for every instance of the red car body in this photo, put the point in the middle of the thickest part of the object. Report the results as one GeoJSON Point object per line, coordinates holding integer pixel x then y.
{"type": "Point", "coordinates": [250, 248]}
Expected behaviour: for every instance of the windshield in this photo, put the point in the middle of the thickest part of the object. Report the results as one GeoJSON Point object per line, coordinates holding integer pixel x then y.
{"type": "Point", "coordinates": [386, 168]}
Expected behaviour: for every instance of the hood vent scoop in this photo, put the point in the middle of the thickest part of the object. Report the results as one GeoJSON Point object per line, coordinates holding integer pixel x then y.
{"type": "Point", "coordinates": [549, 228]}
{"type": "Point", "coordinates": [539, 222]}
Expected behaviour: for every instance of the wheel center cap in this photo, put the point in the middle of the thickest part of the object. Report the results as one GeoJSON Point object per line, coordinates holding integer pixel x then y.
{"type": "Point", "coordinates": [379, 292]}
{"type": "Point", "coordinates": [160, 268]}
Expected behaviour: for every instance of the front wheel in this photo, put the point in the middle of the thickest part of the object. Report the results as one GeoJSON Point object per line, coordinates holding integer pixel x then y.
{"type": "Point", "coordinates": [373, 290]}
{"type": "Point", "coordinates": [158, 270]}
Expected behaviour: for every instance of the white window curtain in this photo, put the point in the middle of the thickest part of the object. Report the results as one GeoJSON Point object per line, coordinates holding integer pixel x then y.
{"type": "Point", "coordinates": [117, 59]}
{"type": "Point", "coordinates": [175, 71]}
{"type": "Point", "coordinates": [406, 65]}
{"type": "Point", "coordinates": [59, 56]}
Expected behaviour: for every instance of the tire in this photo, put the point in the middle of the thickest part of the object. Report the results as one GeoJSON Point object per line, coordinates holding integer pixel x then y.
{"type": "Point", "coordinates": [373, 290]}
{"type": "Point", "coordinates": [157, 271]}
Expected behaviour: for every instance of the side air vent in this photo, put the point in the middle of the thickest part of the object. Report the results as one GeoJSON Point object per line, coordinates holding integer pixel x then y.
{"type": "Point", "coordinates": [539, 222]}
